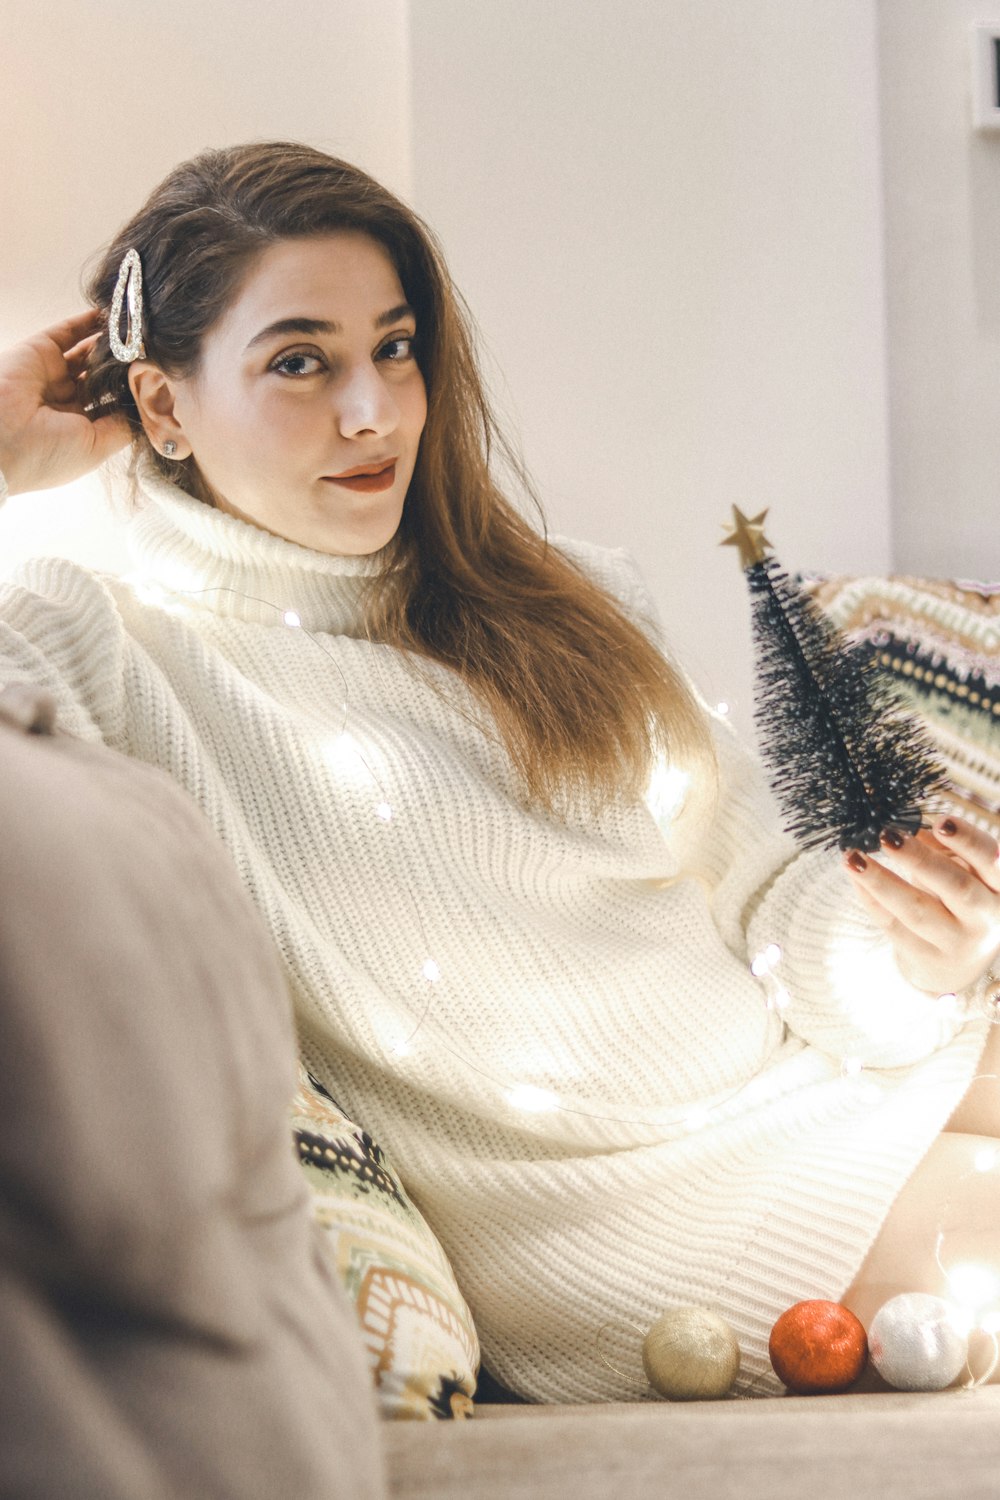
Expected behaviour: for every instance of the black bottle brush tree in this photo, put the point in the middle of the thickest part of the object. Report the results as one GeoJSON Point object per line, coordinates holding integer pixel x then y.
{"type": "Point", "coordinates": [846, 762]}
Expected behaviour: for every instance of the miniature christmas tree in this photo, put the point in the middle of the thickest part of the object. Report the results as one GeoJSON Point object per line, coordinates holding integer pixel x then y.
{"type": "Point", "coordinates": [846, 762]}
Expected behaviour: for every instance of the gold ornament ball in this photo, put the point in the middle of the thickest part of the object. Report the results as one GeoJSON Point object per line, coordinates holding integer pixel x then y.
{"type": "Point", "coordinates": [690, 1354]}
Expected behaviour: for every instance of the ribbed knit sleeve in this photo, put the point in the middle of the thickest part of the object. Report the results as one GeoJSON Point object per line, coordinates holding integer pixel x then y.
{"type": "Point", "coordinates": [849, 998]}
{"type": "Point", "coordinates": [60, 630]}
{"type": "Point", "coordinates": [837, 974]}
{"type": "Point", "coordinates": [837, 971]}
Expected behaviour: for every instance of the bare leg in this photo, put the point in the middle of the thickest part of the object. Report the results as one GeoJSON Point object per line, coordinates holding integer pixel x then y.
{"type": "Point", "coordinates": [948, 1213]}
{"type": "Point", "coordinates": [979, 1111]}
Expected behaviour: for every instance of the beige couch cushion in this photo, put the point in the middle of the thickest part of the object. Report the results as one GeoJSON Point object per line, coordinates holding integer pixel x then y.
{"type": "Point", "coordinates": [944, 1446]}
{"type": "Point", "coordinates": [168, 1323]}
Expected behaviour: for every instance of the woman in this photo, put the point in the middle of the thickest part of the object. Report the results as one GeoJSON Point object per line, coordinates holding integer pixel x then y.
{"type": "Point", "coordinates": [450, 761]}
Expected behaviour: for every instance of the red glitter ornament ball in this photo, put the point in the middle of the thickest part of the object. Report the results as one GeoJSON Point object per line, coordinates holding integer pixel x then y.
{"type": "Point", "coordinates": [818, 1348]}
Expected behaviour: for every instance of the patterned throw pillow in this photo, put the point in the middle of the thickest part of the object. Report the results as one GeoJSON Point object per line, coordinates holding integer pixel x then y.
{"type": "Point", "coordinates": [421, 1342]}
{"type": "Point", "coordinates": [939, 644]}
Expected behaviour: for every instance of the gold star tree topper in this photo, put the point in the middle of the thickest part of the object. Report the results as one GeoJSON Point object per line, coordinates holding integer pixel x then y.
{"type": "Point", "coordinates": [748, 536]}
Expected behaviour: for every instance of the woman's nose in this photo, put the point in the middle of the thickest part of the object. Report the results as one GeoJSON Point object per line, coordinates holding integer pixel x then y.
{"type": "Point", "coordinates": [366, 404]}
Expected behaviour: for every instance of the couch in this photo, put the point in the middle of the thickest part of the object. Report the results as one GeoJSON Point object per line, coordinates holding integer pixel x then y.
{"type": "Point", "coordinates": [147, 1058]}
{"type": "Point", "coordinates": [169, 1322]}
{"type": "Point", "coordinates": [944, 1446]}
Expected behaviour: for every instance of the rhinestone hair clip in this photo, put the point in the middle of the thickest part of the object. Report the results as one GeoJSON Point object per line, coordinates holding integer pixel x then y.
{"type": "Point", "coordinates": [128, 290]}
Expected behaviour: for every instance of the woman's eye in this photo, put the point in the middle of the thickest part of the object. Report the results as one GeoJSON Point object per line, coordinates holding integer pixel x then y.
{"type": "Point", "coordinates": [297, 365]}
{"type": "Point", "coordinates": [397, 350]}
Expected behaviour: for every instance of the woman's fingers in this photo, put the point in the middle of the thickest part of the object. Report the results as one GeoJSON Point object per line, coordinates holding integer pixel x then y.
{"type": "Point", "coordinates": [926, 966]}
{"type": "Point", "coordinates": [955, 881]}
{"type": "Point", "coordinates": [64, 349]}
{"type": "Point", "coordinates": [979, 850]}
{"type": "Point", "coordinates": [919, 910]}
{"type": "Point", "coordinates": [931, 897]}
{"type": "Point", "coordinates": [77, 357]}
{"type": "Point", "coordinates": [111, 433]}
{"type": "Point", "coordinates": [46, 435]}
{"type": "Point", "coordinates": [71, 331]}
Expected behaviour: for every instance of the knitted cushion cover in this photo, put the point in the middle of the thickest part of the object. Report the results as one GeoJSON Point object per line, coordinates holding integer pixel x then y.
{"type": "Point", "coordinates": [939, 644]}
{"type": "Point", "coordinates": [421, 1342]}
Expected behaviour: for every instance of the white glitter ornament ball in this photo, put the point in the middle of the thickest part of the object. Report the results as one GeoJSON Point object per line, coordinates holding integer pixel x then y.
{"type": "Point", "coordinates": [915, 1344]}
{"type": "Point", "coordinates": [690, 1354]}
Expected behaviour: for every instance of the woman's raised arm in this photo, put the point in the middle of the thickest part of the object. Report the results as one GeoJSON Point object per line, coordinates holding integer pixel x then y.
{"type": "Point", "coordinates": [46, 438]}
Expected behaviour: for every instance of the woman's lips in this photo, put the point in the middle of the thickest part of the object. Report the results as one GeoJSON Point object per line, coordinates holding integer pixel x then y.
{"type": "Point", "coordinates": [370, 482]}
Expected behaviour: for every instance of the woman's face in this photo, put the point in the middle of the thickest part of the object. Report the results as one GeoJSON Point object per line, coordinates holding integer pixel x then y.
{"type": "Point", "coordinates": [306, 412]}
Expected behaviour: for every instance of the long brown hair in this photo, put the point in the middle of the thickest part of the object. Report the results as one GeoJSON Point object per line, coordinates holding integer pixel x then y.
{"type": "Point", "coordinates": [581, 699]}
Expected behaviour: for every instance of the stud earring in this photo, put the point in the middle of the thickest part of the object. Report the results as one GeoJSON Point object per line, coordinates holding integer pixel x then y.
{"type": "Point", "coordinates": [169, 448]}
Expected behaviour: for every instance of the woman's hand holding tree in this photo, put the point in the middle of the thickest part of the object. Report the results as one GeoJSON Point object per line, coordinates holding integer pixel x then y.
{"type": "Point", "coordinates": [937, 896]}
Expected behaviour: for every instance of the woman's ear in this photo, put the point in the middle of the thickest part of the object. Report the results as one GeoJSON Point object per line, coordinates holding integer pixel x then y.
{"type": "Point", "coordinates": [154, 393]}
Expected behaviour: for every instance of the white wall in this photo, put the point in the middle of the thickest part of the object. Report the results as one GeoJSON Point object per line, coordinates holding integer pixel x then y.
{"type": "Point", "coordinates": [100, 99]}
{"type": "Point", "coordinates": [943, 283]}
{"type": "Point", "coordinates": [666, 215]}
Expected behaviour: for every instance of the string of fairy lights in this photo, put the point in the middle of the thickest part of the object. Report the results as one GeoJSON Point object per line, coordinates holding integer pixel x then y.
{"type": "Point", "coordinates": [686, 1354]}
{"type": "Point", "coordinates": [690, 1351]}
{"type": "Point", "coordinates": [519, 1095]}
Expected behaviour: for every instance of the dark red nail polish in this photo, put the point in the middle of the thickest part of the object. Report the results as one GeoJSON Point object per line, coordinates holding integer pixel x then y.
{"type": "Point", "coordinates": [892, 839]}
{"type": "Point", "coordinates": [948, 827]}
{"type": "Point", "coordinates": [857, 861]}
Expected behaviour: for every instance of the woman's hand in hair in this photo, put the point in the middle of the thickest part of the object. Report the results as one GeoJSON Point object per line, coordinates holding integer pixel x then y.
{"type": "Point", "coordinates": [937, 896]}
{"type": "Point", "coordinates": [46, 439]}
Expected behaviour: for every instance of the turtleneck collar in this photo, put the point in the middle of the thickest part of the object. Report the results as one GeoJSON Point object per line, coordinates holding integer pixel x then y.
{"type": "Point", "coordinates": [239, 571]}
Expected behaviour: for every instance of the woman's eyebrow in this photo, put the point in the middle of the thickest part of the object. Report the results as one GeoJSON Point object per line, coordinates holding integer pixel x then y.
{"type": "Point", "coordinates": [323, 325]}
{"type": "Point", "coordinates": [403, 310]}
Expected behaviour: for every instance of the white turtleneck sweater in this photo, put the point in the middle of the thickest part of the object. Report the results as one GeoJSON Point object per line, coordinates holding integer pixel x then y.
{"type": "Point", "coordinates": [550, 1025]}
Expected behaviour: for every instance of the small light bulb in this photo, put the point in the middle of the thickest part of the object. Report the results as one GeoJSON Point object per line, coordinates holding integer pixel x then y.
{"type": "Point", "coordinates": [696, 1120]}
{"type": "Point", "coordinates": [527, 1096]}
{"type": "Point", "coordinates": [340, 752]}
{"type": "Point", "coordinates": [667, 790]}
{"type": "Point", "coordinates": [431, 971]}
{"type": "Point", "coordinates": [291, 618]}
{"type": "Point", "coordinates": [148, 590]}
{"type": "Point", "coordinates": [764, 961]}
{"type": "Point", "coordinates": [989, 1006]}
{"type": "Point", "coordinates": [779, 999]}
{"type": "Point", "coordinates": [722, 709]}
{"type": "Point", "coordinates": [985, 1159]}
{"type": "Point", "coordinates": [384, 811]}
{"type": "Point", "coordinates": [973, 1286]}
{"type": "Point", "coordinates": [401, 1049]}
{"type": "Point", "coordinates": [851, 1067]}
